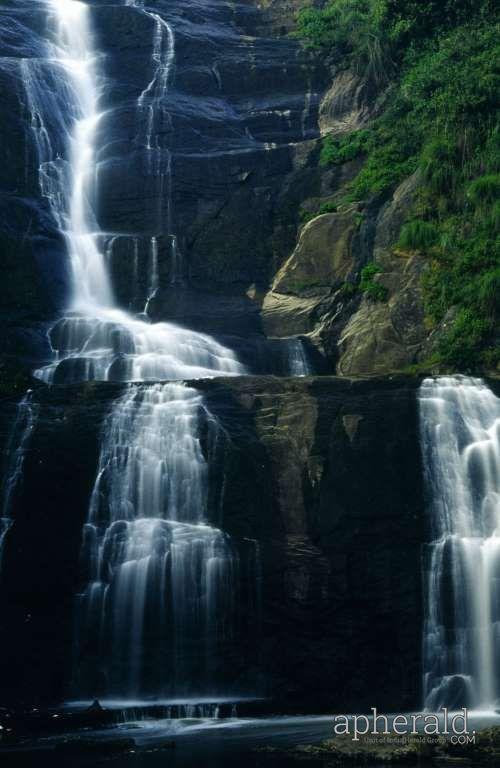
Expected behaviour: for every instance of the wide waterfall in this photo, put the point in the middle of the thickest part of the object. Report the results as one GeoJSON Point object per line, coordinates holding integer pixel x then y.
{"type": "Point", "coordinates": [159, 582]}
{"type": "Point", "coordinates": [460, 427]}
{"type": "Point", "coordinates": [158, 605]}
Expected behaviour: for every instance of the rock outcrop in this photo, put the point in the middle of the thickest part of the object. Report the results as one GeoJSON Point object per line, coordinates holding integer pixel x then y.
{"type": "Point", "coordinates": [347, 105]}
{"type": "Point", "coordinates": [317, 291]}
{"type": "Point", "coordinates": [388, 336]}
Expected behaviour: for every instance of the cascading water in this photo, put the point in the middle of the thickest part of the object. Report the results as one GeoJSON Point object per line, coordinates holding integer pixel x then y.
{"type": "Point", "coordinates": [158, 579]}
{"type": "Point", "coordinates": [298, 363]}
{"type": "Point", "coordinates": [161, 582]}
{"type": "Point", "coordinates": [97, 340]}
{"type": "Point", "coordinates": [460, 428]}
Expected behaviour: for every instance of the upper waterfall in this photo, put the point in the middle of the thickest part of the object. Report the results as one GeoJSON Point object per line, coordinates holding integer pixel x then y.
{"type": "Point", "coordinates": [97, 340]}
{"type": "Point", "coordinates": [73, 52]}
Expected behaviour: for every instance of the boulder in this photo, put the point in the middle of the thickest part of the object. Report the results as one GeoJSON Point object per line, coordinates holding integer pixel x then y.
{"type": "Point", "coordinates": [323, 257]}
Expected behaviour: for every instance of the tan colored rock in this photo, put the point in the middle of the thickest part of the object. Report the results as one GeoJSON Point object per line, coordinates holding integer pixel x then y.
{"type": "Point", "coordinates": [351, 422]}
{"type": "Point", "coordinates": [384, 337]}
{"type": "Point", "coordinates": [288, 434]}
{"type": "Point", "coordinates": [286, 315]}
{"type": "Point", "coordinates": [371, 344]}
{"type": "Point", "coordinates": [346, 106]}
{"type": "Point", "coordinates": [322, 258]}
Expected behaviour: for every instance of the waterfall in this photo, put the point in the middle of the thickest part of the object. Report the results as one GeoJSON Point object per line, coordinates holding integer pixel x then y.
{"type": "Point", "coordinates": [159, 582]}
{"type": "Point", "coordinates": [152, 98]}
{"type": "Point", "coordinates": [96, 340]}
{"type": "Point", "coordinates": [460, 428]}
{"type": "Point", "coordinates": [298, 364]}
{"type": "Point", "coordinates": [158, 604]}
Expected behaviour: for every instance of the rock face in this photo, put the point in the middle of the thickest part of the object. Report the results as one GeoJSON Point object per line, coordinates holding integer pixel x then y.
{"type": "Point", "coordinates": [234, 142]}
{"type": "Point", "coordinates": [347, 105]}
{"type": "Point", "coordinates": [388, 335]}
{"type": "Point", "coordinates": [358, 335]}
{"type": "Point", "coordinates": [323, 257]}
{"type": "Point", "coordinates": [212, 184]}
{"type": "Point", "coordinates": [324, 473]}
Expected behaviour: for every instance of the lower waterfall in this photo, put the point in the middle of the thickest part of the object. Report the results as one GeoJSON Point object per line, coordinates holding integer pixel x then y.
{"type": "Point", "coordinates": [158, 605]}
{"type": "Point", "coordinates": [460, 428]}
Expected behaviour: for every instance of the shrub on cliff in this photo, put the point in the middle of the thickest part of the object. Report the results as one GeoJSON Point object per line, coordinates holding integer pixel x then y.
{"type": "Point", "coordinates": [418, 235]}
{"type": "Point", "coordinates": [372, 290]}
{"type": "Point", "coordinates": [350, 28]}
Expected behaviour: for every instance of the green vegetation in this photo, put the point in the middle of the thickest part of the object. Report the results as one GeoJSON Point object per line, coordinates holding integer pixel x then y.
{"type": "Point", "coordinates": [372, 290]}
{"type": "Point", "coordinates": [418, 235]}
{"type": "Point", "coordinates": [350, 28]}
{"type": "Point", "coordinates": [484, 191]}
{"type": "Point", "coordinates": [437, 63]}
{"type": "Point", "coordinates": [366, 284]}
{"type": "Point", "coordinates": [338, 150]}
{"type": "Point", "coordinates": [327, 207]}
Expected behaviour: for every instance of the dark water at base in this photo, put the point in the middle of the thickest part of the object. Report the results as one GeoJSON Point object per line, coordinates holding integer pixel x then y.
{"type": "Point", "coordinates": [234, 743]}
{"type": "Point", "coordinates": [208, 743]}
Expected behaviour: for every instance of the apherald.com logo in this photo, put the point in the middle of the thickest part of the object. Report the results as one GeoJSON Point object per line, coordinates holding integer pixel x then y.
{"type": "Point", "coordinates": [444, 723]}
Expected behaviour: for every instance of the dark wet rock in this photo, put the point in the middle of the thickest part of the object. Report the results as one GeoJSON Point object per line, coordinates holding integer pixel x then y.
{"type": "Point", "coordinates": [395, 750]}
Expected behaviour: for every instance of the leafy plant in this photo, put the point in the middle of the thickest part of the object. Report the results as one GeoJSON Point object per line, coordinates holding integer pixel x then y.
{"type": "Point", "coordinates": [337, 150]}
{"type": "Point", "coordinates": [485, 190]}
{"type": "Point", "coordinates": [438, 162]}
{"type": "Point", "coordinates": [327, 207]}
{"type": "Point", "coordinates": [353, 29]}
{"type": "Point", "coordinates": [373, 290]}
{"type": "Point", "coordinates": [461, 346]}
